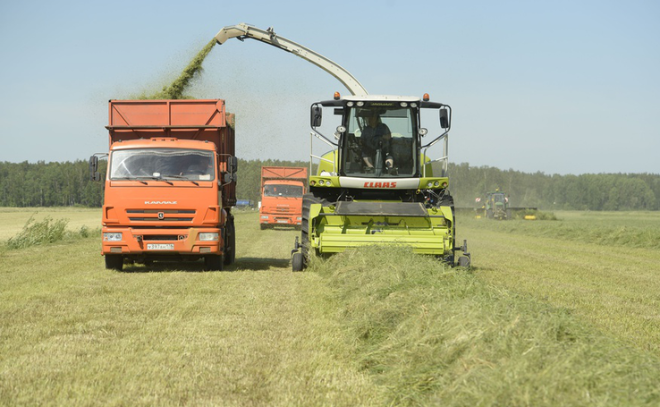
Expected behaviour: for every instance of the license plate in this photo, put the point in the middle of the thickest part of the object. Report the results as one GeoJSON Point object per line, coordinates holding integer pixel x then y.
{"type": "Point", "coordinates": [282, 221]}
{"type": "Point", "coordinates": [156, 246]}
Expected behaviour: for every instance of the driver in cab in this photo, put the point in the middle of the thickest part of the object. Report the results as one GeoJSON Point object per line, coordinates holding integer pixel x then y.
{"type": "Point", "coordinates": [376, 135]}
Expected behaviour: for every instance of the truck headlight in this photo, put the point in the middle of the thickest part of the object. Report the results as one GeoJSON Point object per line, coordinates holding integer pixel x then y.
{"type": "Point", "coordinates": [207, 236]}
{"type": "Point", "coordinates": [112, 237]}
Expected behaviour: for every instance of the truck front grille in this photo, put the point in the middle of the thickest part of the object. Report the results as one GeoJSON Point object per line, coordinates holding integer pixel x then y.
{"type": "Point", "coordinates": [283, 209]}
{"type": "Point", "coordinates": [166, 215]}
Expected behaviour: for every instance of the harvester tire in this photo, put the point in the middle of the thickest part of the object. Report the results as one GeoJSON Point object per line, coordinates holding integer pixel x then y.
{"type": "Point", "coordinates": [308, 200]}
{"type": "Point", "coordinates": [448, 200]}
{"type": "Point", "coordinates": [464, 261]}
{"type": "Point", "coordinates": [297, 262]}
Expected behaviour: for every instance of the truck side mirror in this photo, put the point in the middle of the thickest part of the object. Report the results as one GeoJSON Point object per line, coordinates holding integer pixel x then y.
{"type": "Point", "coordinates": [94, 168]}
{"type": "Point", "coordinates": [232, 164]}
{"type": "Point", "coordinates": [444, 118]}
{"type": "Point", "coordinates": [316, 116]}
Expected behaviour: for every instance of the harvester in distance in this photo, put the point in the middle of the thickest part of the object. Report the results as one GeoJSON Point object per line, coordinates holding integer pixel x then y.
{"type": "Point", "coordinates": [496, 205]}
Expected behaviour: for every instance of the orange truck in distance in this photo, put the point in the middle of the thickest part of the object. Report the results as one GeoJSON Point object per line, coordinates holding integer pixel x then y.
{"type": "Point", "coordinates": [282, 189]}
{"type": "Point", "coordinates": [170, 184]}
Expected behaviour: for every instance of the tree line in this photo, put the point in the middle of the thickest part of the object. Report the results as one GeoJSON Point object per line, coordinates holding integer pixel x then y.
{"type": "Point", "coordinates": [595, 192]}
{"type": "Point", "coordinates": [44, 184]}
{"type": "Point", "coordinates": [48, 184]}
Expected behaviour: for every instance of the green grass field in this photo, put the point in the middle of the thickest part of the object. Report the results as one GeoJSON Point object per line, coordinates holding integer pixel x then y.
{"type": "Point", "coordinates": [12, 220]}
{"type": "Point", "coordinates": [549, 315]}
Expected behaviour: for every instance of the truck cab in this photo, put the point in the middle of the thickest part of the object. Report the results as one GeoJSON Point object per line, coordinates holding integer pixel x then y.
{"type": "Point", "coordinates": [282, 190]}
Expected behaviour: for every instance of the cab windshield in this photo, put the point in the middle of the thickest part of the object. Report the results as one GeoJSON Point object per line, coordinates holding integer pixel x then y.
{"type": "Point", "coordinates": [162, 163]}
{"type": "Point", "coordinates": [499, 198]}
{"type": "Point", "coordinates": [288, 191]}
{"type": "Point", "coordinates": [381, 142]}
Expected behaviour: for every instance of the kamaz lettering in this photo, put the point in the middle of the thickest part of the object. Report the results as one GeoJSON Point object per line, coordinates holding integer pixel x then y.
{"type": "Point", "coordinates": [380, 184]}
{"type": "Point", "coordinates": [160, 202]}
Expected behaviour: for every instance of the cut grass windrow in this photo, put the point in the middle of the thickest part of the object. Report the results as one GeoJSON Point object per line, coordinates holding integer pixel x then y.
{"type": "Point", "coordinates": [445, 337]}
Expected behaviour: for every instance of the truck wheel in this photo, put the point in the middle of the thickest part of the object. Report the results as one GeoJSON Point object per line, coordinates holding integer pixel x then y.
{"type": "Point", "coordinates": [263, 226]}
{"type": "Point", "coordinates": [213, 263]}
{"type": "Point", "coordinates": [114, 262]}
{"type": "Point", "coordinates": [230, 243]}
{"type": "Point", "coordinates": [297, 262]}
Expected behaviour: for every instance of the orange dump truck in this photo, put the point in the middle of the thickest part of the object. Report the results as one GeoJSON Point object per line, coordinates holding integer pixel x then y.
{"type": "Point", "coordinates": [282, 189]}
{"type": "Point", "coordinates": [170, 183]}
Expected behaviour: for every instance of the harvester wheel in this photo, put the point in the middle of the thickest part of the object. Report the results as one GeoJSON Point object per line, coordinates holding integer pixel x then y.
{"type": "Point", "coordinates": [304, 227]}
{"type": "Point", "coordinates": [297, 262]}
{"type": "Point", "coordinates": [308, 200]}
{"type": "Point", "coordinates": [114, 262]}
{"type": "Point", "coordinates": [464, 261]}
{"type": "Point", "coordinates": [448, 200]}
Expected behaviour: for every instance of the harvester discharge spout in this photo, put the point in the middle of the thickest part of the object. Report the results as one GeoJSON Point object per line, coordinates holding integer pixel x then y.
{"type": "Point", "coordinates": [242, 31]}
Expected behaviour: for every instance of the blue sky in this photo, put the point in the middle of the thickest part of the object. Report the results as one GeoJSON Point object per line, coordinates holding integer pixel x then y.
{"type": "Point", "coordinates": [561, 87]}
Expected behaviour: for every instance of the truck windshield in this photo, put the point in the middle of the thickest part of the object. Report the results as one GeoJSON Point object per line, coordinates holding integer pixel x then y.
{"type": "Point", "coordinates": [288, 191]}
{"type": "Point", "coordinates": [162, 163]}
{"type": "Point", "coordinates": [381, 142]}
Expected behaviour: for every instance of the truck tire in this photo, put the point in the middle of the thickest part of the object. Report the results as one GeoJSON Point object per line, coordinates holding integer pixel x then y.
{"type": "Point", "coordinates": [213, 263]}
{"type": "Point", "coordinates": [114, 262]}
{"type": "Point", "coordinates": [230, 242]}
{"type": "Point", "coordinates": [297, 262]}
